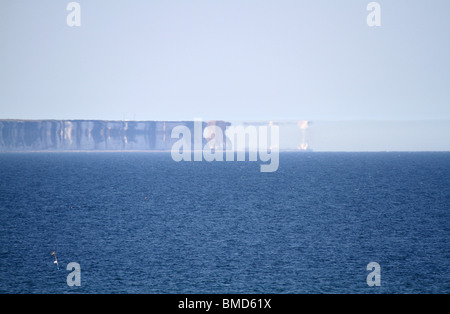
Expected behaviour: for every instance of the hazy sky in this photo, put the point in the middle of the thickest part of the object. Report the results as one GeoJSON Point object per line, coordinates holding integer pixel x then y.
{"type": "Point", "coordinates": [225, 59]}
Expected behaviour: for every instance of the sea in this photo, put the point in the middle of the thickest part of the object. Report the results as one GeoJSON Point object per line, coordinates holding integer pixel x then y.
{"type": "Point", "coordinates": [143, 223]}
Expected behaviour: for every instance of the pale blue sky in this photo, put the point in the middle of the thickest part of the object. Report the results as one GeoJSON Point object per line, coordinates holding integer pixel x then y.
{"type": "Point", "coordinates": [225, 59]}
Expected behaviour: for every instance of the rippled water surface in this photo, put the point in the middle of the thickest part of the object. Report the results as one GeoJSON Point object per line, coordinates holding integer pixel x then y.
{"type": "Point", "coordinates": [142, 223]}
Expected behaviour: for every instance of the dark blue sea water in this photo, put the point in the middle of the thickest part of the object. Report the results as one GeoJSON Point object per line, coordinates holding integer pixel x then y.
{"type": "Point", "coordinates": [142, 223]}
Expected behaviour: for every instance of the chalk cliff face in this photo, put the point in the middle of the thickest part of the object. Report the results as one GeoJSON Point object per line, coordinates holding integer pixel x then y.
{"type": "Point", "coordinates": [89, 135]}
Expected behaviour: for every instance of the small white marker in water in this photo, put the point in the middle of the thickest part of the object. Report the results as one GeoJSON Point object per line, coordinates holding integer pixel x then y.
{"type": "Point", "coordinates": [56, 259]}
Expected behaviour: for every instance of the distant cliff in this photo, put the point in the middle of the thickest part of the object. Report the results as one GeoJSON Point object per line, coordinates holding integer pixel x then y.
{"type": "Point", "coordinates": [89, 135]}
